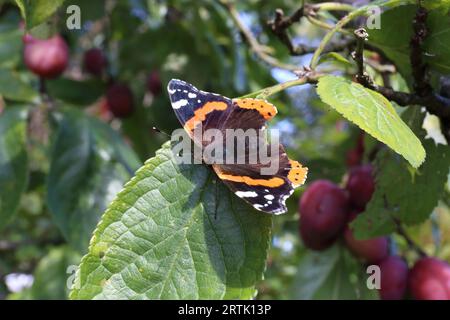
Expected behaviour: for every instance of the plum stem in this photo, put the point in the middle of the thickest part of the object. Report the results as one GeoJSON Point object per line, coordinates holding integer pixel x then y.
{"type": "Point", "coordinates": [43, 91]}
{"type": "Point", "coordinates": [402, 232]}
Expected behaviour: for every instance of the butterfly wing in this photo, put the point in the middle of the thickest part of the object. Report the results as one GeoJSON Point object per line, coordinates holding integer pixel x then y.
{"type": "Point", "coordinates": [195, 107]}
{"type": "Point", "coordinates": [267, 193]}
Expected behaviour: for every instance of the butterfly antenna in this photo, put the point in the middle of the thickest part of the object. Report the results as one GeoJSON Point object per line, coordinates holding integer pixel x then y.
{"type": "Point", "coordinates": [160, 131]}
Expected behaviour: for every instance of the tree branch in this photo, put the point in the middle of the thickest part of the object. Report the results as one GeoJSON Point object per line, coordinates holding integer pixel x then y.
{"type": "Point", "coordinates": [279, 27]}
{"type": "Point", "coordinates": [306, 76]}
{"type": "Point", "coordinates": [434, 103]}
{"type": "Point", "coordinates": [423, 96]}
{"type": "Point", "coordinates": [419, 68]}
{"type": "Point", "coordinates": [358, 55]}
{"type": "Point", "coordinates": [327, 26]}
{"type": "Point", "coordinates": [255, 46]}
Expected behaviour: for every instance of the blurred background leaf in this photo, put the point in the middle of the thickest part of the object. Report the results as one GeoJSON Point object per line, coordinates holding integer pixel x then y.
{"type": "Point", "coordinates": [35, 12]}
{"type": "Point", "coordinates": [13, 161]}
{"type": "Point", "coordinates": [89, 165]}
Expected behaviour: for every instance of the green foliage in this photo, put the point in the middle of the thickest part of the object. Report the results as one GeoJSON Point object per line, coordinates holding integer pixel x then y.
{"type": "Point", "coordinates": [174, 231]}
{"type": "Point", "coordinates": [10, 45]}
{"type": "Point", "coordinates": [332, 274]}
{"type": "Point", "coordinates": [443, 5]}
{"type": "Point", "coordinates": [397, 30]}
{"type": "Point", "coordinates": [436, 43]}
{"type": "Point", "coordinates": [53, 275]}
{"type": "Point", "coordinates": [335, 59]}
{"type": "Point", "coordinates": [68, 91]}
{"type": "Point", "coordinates": [12, 87]}
{"type": "Point", "coordinates": [174, 225]}
{"type": "Point", "coordinates": [89, 165]}
{"type": "Point", "coordinates": [373, 113]}
{"type": "Point", "coordinates": [404, 194]}
{"type": "Point", "coordinates": [13, 161]}
{"type": "Point", "coordinates": [35, 12]}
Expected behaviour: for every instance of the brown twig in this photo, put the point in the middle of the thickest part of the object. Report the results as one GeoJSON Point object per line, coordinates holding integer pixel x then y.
{"type": "Point", "coordinates": [434, 103]}
{"type": "Point", "coordinates": [281, 22]}
{"type": "Point", "coordinates": [358, 55]}
{"type": "Point", "coordinates": [279, 27]}
{"type": "Point", "coordinates": [419, 70]}
{"type": "Point", "coordinates": [255, 46]}
{"type": "Point", "coordinates": [45, 96]}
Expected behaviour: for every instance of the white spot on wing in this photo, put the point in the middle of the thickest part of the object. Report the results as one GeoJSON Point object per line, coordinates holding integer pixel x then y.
{"type": "Point", "coordinates": [192, 95]}
{"type": "Point", "coordinates": [180, 103]}
{"type": "Point", "coordinates": [269, 197]}
{"type": "Point", "coordinates": [279, 211]}
{"type": "Point", "coordinates": [246, 194]}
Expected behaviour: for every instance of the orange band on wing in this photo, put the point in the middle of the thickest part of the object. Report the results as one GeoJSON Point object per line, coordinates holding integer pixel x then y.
{"type": "Point", "coordinates": [272, 182]}
{"type": "Point", "coordinates": [266, 109]}
{"type": "Point", "coordinates": [297, 173]}
{"type": "Point", "coordinates": [201, 113]}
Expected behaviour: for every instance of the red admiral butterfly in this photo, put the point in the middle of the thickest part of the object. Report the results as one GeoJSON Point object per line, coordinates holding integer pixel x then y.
{"type": "Point", "coordinates": [265, 193]}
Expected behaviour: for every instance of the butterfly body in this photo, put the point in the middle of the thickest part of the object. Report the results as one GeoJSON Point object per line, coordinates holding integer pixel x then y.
{"type": "Point", "coordinates": [199, 109]}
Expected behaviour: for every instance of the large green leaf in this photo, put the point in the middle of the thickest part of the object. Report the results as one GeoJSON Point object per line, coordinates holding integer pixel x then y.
{"type": "Point", "coordinates": [13, 88]}
{"type": "Point", "coordinates": [373, 113]}
{"type": "Point", "coordinates": [174, 232]}
{"type": "Point", "coordinates": [36, 12]}
{"type": "Point", "coordinates": [328, 275]}
{"type": "Point", "coordinates": [13, 161]}
{"type": "Point", "coordinates": [404, 194]}
{"type": "Point", "coordinates": [89, 165]}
